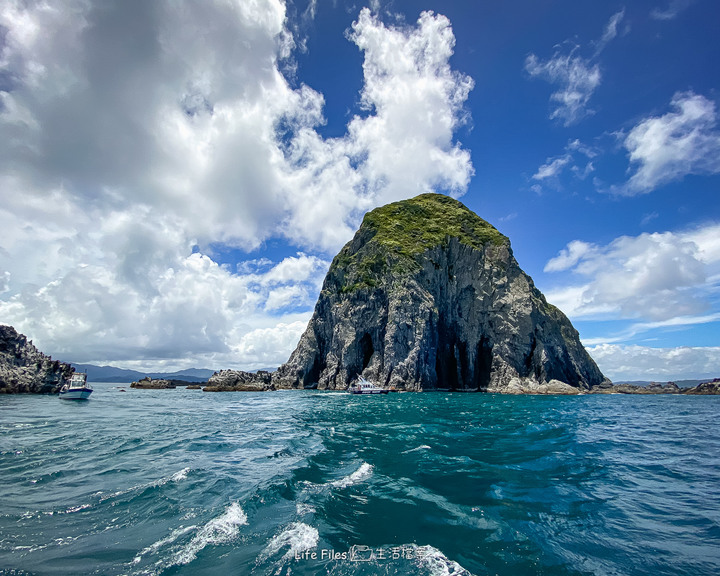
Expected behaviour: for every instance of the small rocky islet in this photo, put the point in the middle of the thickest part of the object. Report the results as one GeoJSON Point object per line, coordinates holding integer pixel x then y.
{"type": "Point", "coordinates": [149, 383]}
{"type": "Point", "coordinates": [426, 296]}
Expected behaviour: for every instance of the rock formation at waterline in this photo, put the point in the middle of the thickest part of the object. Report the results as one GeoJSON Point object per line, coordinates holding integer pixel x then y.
{"type": "Point", "coordinates": [427, 295]}
{"type": "Point", "coordinates": [239, 381]}
{"type": "Point", "coordinates": [24, 369]}
{"type": "Point", "coordinates": [148, 383]}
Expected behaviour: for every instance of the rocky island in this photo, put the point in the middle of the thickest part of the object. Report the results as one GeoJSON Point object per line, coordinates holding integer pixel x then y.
{"type": "Point", "coordinates": [428, 295]}
{"type": "Point", "coordinates": [24, 369]}
{"type": "Point", "coordinates": [148, 383]}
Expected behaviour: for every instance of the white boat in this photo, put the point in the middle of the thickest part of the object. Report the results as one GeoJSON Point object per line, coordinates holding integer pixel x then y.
{"type": "Point", "coordinates": [362, 386]}
{"type": "Point", "coordinates": [77, 388]}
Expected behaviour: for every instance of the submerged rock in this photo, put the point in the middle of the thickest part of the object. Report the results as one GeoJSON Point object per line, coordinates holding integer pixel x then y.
{"type": "Point", "coordinates": [427, 295]}
{"type": "Point", "coordinates": [24, 369]}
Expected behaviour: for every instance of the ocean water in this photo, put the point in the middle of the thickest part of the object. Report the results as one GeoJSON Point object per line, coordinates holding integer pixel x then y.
{"type": "Point", "coordinates": [184, 482]}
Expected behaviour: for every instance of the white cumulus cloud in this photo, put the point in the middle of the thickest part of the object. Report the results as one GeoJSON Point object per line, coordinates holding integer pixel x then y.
{"type": "Point", "coordinates": [142, 139]}
{"type": "Point", "coordinates": [552, 167]}
{"type": "Point", "coordinates": [668, 147]}
{"type": "Point", "coordinates": [620, 363]}
{"type": "Point", "coordinates": [656, 276]}
{"type": "Point", "coordinates": [568, 257]}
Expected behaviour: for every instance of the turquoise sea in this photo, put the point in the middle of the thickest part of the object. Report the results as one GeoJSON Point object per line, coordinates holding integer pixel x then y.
{"type": "Point", "coordinates": [185, 482]}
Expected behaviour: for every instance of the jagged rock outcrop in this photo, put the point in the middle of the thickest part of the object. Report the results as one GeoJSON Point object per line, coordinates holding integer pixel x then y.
{"type": "Point", "coordinates": [710, 388]}
{"type": "Point", "coordinates": [653, 388]}
{"type": "Point", "coordinates": [239, 381]}
{"type": "Point", "coordinates": [427, 295]}
{"type": "Point", "coordinates": [24, 369]}
{"type": "Point", "coordinates": [706, 388]}
{"type": "Point", "coordinates": [148, 383]}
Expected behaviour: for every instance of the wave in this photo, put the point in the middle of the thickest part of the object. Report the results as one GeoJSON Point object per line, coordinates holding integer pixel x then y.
{"type": "Point", "coordinates": [298, 537]}
{"type": "Point", "coordinates": [180, 475]}
{"type": "Point", "coordinates": [174, 535]}
{"type": "Point", "coordinates": [417, 449]}
{"type": "Point", "coordinates": [175, 477]}
{"type": "Point", "coordinates": [220, 530]}
{"type": "Point", "coordinates": [74, 509]}
{"type": "Point", "coordinates": [305, 508]}
{"type": "Point", "coordinates": [361, 474]}
{"type": "Point", "coordinates": [437, 563]}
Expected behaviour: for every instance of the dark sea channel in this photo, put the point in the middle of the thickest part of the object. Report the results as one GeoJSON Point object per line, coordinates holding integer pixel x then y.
{"type": "Point", "coordinates": [186, 482]}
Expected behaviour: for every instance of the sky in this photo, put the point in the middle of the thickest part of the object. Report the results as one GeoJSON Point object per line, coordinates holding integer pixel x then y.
{"type": "Point", "coordinates": [176, 176]}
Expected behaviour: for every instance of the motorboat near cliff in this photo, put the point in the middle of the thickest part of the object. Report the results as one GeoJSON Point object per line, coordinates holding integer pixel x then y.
{"type": "Point", "coordinates": [77, 388]}
{"type": "Point", "coordinates": [363, 386]}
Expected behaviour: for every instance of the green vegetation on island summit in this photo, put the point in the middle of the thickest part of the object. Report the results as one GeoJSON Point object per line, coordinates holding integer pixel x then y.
{"type": "Point", "coordinates": [396, 225]}
{"type": "Point", "coordinates": [393, 236]}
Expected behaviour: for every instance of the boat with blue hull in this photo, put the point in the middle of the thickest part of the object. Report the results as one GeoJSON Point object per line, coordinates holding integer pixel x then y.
{"type": "Point", "coordinates": [77, 388]}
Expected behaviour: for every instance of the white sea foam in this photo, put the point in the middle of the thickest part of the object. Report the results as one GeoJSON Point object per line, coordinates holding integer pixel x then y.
{"type": "Point", "coordinates": [176, 477]}
{"type": "Point", "coordinates": [303, 508]}
{"type": "Point", "coordinates": [360, 475]}
{"type": "Point", "coordinates": [298, 537]}
{"type": "Point", "coordinates": [437, 563]}
{"type": "Point", "coordinates": [220, 530]}
{"type": "Point", "coordinates": [418, 448]}
{"type": "Point", "coordinates": [78, 508]}
{"type": "Point", "coordinates": [180, 475]}
{"type": "Point", "coordinates": [174, 535]}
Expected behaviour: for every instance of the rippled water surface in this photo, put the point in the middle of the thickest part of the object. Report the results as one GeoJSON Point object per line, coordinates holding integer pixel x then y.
{"type": "Point", "coordinates": [185, 482]}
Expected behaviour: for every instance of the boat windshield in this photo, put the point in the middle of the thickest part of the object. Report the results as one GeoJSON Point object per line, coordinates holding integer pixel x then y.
{"type": "Point", "coordinates": [77, 380]}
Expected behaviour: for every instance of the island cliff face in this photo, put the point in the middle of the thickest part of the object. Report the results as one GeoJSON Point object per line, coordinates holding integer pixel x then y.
{"type": "Point", "coordinates": [427, 295]}
{"type": "Point", "coordinates": [24, 369]}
